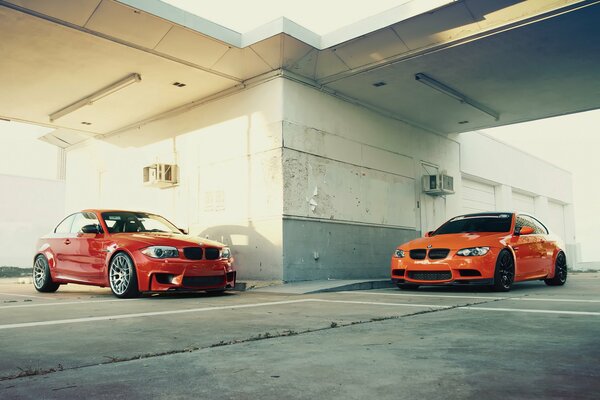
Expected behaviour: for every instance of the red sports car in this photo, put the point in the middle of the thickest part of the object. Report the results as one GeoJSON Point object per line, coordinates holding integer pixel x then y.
{"type": "Point", "coordinates": [494, 249]}
{"type": "Point", "coordinates": [132, 252]}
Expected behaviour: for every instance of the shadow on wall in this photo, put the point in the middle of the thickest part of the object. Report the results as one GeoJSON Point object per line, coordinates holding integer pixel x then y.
{"type": "Point", "coordinates": [256, 257]}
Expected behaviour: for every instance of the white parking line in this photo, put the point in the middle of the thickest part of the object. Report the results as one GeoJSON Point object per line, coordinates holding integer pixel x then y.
{"type": "Point", "coordinates": [373, 303]}
{"type": "Point", "coordinates": [525, 310]}
{"type": "Point", "coordinates": [64, 303]}
{"type": "Point", "coordinates": [519, 298]}
{"type": "Point", "coordinates": [28, 295]}
{"type": "Point", "coordinates": [147, 314]}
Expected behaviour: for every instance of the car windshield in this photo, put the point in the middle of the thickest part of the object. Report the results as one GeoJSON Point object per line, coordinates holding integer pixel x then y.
{"type": "Point", "coordinates": [476, 223]}
{"type": "Point", "coordinates": [125, 221]}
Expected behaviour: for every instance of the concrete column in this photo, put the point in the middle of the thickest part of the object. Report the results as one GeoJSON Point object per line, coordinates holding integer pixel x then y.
{"type": "Point", "coordinates": [573, 256]}
{"type": "Point", "coordinates": [61, 164]}
{"type": "Point", "coordinates": [503, 194]}
{"type": "Point", "coordinates": [542, 211]}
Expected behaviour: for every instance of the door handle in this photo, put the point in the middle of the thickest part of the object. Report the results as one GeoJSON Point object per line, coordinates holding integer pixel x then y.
{"type": "Point", "coordinates": [515, 248]}
{"type": "Point", "coordinates": [67, 241]}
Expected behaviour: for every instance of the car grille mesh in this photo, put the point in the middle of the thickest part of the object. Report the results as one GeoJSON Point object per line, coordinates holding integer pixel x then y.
{"type": "Point", "coordinates": [212, 253]}
{"type": "Point", "coordinates": [430, 275]}
{"type": "Point", "coordinates": [418, 254]}
{"type": "Point", "coordinates": [438, 254]}
{"type": "Point", "coordinates": [200, 281]}
{"type": "Point", "coordinates": [193, 253]}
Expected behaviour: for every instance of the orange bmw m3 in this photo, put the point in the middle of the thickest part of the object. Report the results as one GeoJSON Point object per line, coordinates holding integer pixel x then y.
{"type": "Point", "coordinates": [495, 249]}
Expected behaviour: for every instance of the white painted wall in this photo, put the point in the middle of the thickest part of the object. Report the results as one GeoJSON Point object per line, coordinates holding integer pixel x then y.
{"type": "Point", "coordinates": [521, 182]}
{"type": "Point", "coordinates": [29, 208]}
{"type": "Point", "coordinates": [229, 157]}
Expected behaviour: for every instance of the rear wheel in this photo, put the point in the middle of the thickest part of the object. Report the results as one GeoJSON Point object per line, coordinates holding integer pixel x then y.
{"type": "Point", "coordinates": [504, 274]}
{"type": "Point", "coordinates": [42, 280]}
{"type": "Point", "coordinates": [407, 286]}
{"type": "Point", "coordinates": [560, 271]}
{"type": "Point", "coordinates": [123, 277]}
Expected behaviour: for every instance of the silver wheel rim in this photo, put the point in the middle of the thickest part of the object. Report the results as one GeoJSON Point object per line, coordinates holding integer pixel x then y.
{"type": "Point", "coordinates": [39, 272]}
{"type": "Point", "coordinates": [120, 274]}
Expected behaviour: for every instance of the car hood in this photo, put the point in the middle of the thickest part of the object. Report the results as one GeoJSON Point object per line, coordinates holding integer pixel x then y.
{"type": "Point", "coordinates": [165, 239]}
{"type": "Point", "coordinates": [457, 241]}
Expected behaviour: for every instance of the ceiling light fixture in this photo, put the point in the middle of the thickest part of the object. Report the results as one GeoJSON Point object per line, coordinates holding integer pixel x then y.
{"type": "Point", "coordinates": [89, 100]}
{"type": "Point", "coordinates": [448, 91]}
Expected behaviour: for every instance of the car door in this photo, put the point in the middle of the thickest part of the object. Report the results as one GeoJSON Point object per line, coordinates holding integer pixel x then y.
{"type": "Point", "coordinates": [525, 248]}
{"type": "Point", "coordinates": [545, 248]}
{"type": "Point", "coordinates": [85, 254]}
{"type": "Point", "coordinates": [60, 242]}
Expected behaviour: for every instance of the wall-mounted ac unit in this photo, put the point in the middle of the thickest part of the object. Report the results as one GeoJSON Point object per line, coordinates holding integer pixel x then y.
{"type": "Point", "coordinates": [438, 185]}
{"type": "Point", "coordinates": [161, 175]}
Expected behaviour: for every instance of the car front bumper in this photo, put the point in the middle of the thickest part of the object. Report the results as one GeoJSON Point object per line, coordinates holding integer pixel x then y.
{"type": "Point", "coordinates": [179, 274]}
{"type": "Point", "coordinates": [450, 270]}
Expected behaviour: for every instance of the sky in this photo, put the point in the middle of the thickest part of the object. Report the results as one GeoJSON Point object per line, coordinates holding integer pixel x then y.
{"type": "Point", "coordinates": [320, 17]}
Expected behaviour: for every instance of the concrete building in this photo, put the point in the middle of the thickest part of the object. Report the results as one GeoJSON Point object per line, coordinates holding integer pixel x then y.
{"type": "Point", "coordinates": [305, 153]}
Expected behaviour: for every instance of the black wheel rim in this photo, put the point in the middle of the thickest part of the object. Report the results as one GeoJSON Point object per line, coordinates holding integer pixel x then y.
{"type": "Point", "coordinates": [506, 270]}
{"type": "Point", "coordinates": [561, 268]}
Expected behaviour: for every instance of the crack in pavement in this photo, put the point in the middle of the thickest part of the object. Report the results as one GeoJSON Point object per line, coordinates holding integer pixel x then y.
{"type": "Point", "coordinates": [261, 336]}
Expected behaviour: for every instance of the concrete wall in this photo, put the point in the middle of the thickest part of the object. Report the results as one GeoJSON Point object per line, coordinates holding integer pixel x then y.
{"type": "Point", "coordinates": [29, 208]}
{"type": "Point", "coordinates": [229, 157]}
{"type": "Point", "coordinates": [352, 186]}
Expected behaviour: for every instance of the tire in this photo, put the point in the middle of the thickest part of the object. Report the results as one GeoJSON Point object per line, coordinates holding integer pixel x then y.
{"type": "Point", "coordinates": [42, 280]}
{"type": "Point", "coordinates": [560, 271]}
{"type": "Point", "coordinates": [122, 277]}
{"type": "Point", "coordinates": [407, 286]}
{"type": "Point", "coordinates": [504, 273]}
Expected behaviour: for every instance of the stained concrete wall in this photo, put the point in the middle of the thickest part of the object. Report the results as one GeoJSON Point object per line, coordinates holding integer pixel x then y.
{"type": "Point", "coordinates": [229, 157]}
{"type": "Point", "coordinates": [352, 186]}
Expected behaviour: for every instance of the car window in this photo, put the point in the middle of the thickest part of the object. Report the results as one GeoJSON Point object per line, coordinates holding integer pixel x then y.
{"type": "Point", "coordinates": [82, 219]}
{"type": "Point", "coordinates": [126, 221]}
{"type": "Point", "coordinates": [476, 223]}
{"type": "Point", "coordinates": [65, 225]}
{"type": "Point", "coordinates": [525, 220]}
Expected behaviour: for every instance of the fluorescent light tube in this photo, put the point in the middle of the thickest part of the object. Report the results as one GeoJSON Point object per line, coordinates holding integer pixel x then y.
{"type": "Point", "coordinates": [89, 100]}
{"type": "Point", "coordinates": [456, 95]}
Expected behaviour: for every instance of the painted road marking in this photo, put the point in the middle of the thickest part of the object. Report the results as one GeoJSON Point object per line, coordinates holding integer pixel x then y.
{"type": "Point", "coordinates": [65, 303]}
{"type": "Point", "coordinates": [524, 310]}
{"type": "Point", "coordinates": [28, 295]}
{"type": "Point", "coordinates": [275, 303]}
{"type": "Point", "coordinates": [519, 298]}
{"type": "Point", "coordinates": [147, 314]}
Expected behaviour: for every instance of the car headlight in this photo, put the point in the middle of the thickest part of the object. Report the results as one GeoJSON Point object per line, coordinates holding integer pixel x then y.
{"type": "Point", "coordinates": [161, 252]}
{"type": "Point", "coordinates": [473, 251]}
{"type": "Point", "coordinates": [399, 253]}
{"type": "Point", "coordinates": [225, 253]}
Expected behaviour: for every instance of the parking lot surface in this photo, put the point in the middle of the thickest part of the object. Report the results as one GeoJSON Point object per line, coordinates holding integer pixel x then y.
{"type": "Point", "coordinates": [453, 343]}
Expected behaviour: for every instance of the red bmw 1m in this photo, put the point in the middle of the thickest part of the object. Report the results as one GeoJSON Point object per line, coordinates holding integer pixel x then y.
{"type": "Point", "coordinates": [493, 249]}
{"type": "Point", "coordinates": [130, 252]}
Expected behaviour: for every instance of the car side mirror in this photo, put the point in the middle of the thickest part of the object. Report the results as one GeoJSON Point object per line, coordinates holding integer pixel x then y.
{"type": "Point", "coordinates": [429, 234]}
{"type": "Point", "coordinates": [92, 228]}
{"type": "Point", "coordinates": [524, 230]}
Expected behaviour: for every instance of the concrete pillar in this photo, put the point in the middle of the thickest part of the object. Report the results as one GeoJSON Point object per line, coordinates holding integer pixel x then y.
{"type": "Point", "coordinates": [61, 164]}
{"type": "Point", "coordinates": [573, 256]}
{"type": "Point", "coordinates": [542, 211]}
{"type": "Point", "coordinates": [503, 194]}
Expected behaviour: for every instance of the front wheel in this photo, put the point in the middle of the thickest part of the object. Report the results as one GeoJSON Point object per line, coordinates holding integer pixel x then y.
{"type": "Point", "coordinates": [42, 280]}
{"type": "Point", "coordinates": [504, 274]}
{"type": "Point", "coordinates": [123, 277]}
{"type": "Point", "coordinates": [560, 271]}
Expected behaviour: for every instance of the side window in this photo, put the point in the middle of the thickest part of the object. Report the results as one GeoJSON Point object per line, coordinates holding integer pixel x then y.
{"type": "Point", "coordinates": [65, 225]}
{"type": "Point", "coordinates": [524, 220]}
{"type": "Point", "coordinates": [83, 219]}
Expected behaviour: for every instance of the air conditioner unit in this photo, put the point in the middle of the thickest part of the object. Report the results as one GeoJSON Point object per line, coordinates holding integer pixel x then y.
{"type": "Point", "coordinates": [438, 185]}
{"type": "Point", "coordinates": [161, 175]}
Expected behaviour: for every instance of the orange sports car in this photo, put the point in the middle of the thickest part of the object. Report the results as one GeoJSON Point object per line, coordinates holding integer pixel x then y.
{"type": "Point", "coordinates": [493, 249]}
